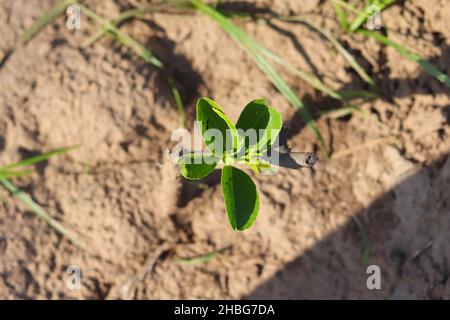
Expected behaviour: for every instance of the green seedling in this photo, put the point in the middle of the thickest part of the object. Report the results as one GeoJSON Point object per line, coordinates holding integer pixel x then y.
{"type": "Point", "coordinates": [239, 191]}
{"type": "Point", "coordinates": [247, 143]}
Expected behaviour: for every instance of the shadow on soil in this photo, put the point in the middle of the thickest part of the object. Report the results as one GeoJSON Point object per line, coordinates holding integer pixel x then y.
{"type": "Point", "coordinates": [408, 228]}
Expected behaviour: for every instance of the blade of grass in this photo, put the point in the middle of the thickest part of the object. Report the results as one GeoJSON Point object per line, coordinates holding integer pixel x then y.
{"type": "Point", "coordinates": [350, 110]}
{"type": "Point", "coordinates": [351, 94]}
{"type": "Point", "coordinates": [148, 57]}
{"type": "Point", "coordinates": [362, 17]}
{"type": "Point", "coordinates": [347, 55]}
{"type": "Point", "coordinates": [306, 76]}
{"type": "Point", "coordinates": [341, 15]}
{"type": "Point", "coordinates": [38, 210]}
{"type": "Point", "coordinates": [138, 14]}
{"type": "Point", "coordinates": [123, 16]}
{"type": "Point", "coordinates": [201, 258]}
{"type": "Point", "coordinates": [45, 19]}
{"type": "Point", "coordinates": [37, 26]}
{"type": "Point", "coordinates": [122, 37]}
{"type": "Point", "coordinates": [309, 78]}
{"type": "Point", "coordinates": [364, 240]}
{"type": "Point", "coordinates": [347, 110]}
{"type": "Point", "coordinates": [39, 158]}
{"type": "Point", "coordinates": [347, 6]}
{"type": "Point", "coordinates": [340, 112]}
{"type": "Point", "coordinates": [12, 174]}
{"type": "Point", "coordinates": [426, 65]}
{"type": "Point", "coordinates": [142, 52]}
{"type": "Point", "coordinates": [248, 44]}
{"type": "Point", "coordinates": [197, 260]}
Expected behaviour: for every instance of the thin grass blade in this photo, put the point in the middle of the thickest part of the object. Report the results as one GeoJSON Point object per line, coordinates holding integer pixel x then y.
{"type": "Point", "coordinates": [254, 52]}
{"type": "Point", "coordinates": [39, 158]}
{"type": "Point", "coordinates": [347, 6]}
{"type": "Point", "coordinates": [304, 75]}
{"type": "Point", "coordinates": [123, 16]}
{"type": "Point", "coordinates": [37, 26]}
{"type": "Point", "coordinates": [365, 241]}
{"type": "Point", "coordinates": [351, 94]}
{"type": "Point", "coordinates": [197, 260]}
{"type": "Point", "coordinates": [341, 15]}
{"type": "Point", "coordinates": [45, 19]}
{"type": "Point", "coordinates": [203, 258]}
{"type": "Point", "coordinates": [307, 77]}
{"type": "Point", "coordinates": [12, 174]}
{"type": "Point", "coordinates": [426, 65]}
{"type": "Point", "coordinates": [362, 17]}
{"type": "Point", "coordinates": [38, 210]}
{"type": "Point", "coordinates": [140, 50]}
{"type": "Point", "coordinates": [339, 47]}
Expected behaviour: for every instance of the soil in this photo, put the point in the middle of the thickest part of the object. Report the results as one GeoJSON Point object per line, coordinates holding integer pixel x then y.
{"type": "Point", "coordinates": [135, 216]}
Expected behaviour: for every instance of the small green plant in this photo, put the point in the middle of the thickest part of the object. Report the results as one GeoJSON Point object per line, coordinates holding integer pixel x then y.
{"type": "Point", "coordinates": [252, 142]}
{"type": "Point", "coordinates": [239, 191]}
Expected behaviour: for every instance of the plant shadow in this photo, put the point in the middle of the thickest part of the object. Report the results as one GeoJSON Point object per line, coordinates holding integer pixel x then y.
{"type": "Point", "coordinates": [188, 80]}
{"type": "Point", "coordinates": [408, 228]}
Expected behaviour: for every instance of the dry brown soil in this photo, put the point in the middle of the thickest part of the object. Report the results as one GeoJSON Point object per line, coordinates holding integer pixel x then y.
{"type": "Point", "coordinates": [135, 215]}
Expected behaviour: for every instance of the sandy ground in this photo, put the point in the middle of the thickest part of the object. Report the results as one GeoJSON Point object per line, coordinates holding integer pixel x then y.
{"type": "Point", "coordinates": [134, 214]}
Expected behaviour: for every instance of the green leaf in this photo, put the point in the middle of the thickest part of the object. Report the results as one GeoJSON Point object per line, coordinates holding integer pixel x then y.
{"type": "Point", "coordinates": [259, 124]}
{"type": "Point", "coordinates": [241, 198]}
{"type": "Point", "coordinates": [196, 166]}
{"type": "Point", "coordinates": [211, 117]}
